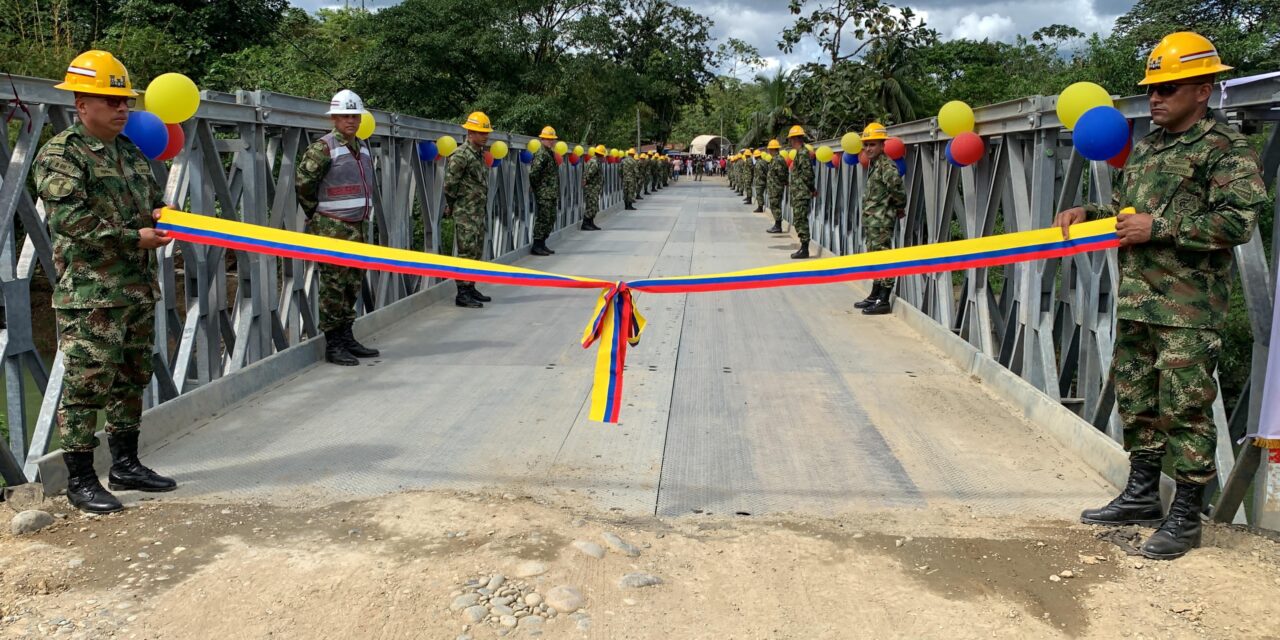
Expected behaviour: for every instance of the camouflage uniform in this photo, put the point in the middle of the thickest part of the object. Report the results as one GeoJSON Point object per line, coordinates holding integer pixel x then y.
{"type": "Point", "coordinates": [800, 191]}
{"type": "Point", "coordinates": [883, 199]}
{"type": "Point", "coordinates": [777, 182]}
{"type": "Point", "coordinates": [544, 179]}
{"type": "Point", "coordinates": [98, 196]}
{"type": "Point", "coordinates": [1204, 191]}
{"type": "Point", "coordinates": [466, 186]}
{"type": "Point", "coordinates": [630, 179]}
{"type": "Point", "coordinates": [339, 286]}
{"type": "Point", "coordinates": [592, 186]}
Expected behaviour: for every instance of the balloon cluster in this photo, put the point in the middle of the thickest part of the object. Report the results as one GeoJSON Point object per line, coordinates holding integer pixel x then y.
{"type": "Point", "coordinates": [965, 147]}
{"type": "Point", "coordinates": [170, 100]}
{"type": "Point", "coordinates": [897, 152]}
{"type": "Point", "coordinates": [1098, 129]}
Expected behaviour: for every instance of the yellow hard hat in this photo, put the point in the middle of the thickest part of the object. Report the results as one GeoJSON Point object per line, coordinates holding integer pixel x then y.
{"type": "Point", "coordinates": [631, 151]}
{"type": "Point", "coordinates": [796, 130]}
{"type": "Point", "coordinates": [600, 150]}
{"type": "Point", "coordinates": [548, 133]}
{"type": "Point", "coordinates": [1182, 55]}
{"type": "Point", "coordinates": [875, 131]}
{"type": "Point", "coordinates": [477, 121]}
{"type": "Point", "coordinates": [98, 73]}
{"type": "Point", "coordinates": [774, 144]}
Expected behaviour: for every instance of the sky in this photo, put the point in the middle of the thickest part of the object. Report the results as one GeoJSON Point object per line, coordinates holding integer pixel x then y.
{"type": "Point", "coordinates": [759, 22]}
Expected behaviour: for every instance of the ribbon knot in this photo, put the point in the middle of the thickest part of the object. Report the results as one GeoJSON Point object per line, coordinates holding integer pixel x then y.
{"type": "Point", "coordinates": [616, 325]}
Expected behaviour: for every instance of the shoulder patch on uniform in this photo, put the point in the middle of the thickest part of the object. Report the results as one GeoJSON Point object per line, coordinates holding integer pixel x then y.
{"type": "Point", "coordinates": [61, 165]}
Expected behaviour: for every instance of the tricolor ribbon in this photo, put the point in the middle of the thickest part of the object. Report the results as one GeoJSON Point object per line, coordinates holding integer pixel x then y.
{"type": "Point", "coordinates": [615, 324]}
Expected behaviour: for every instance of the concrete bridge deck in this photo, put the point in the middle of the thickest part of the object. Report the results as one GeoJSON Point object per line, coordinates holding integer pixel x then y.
{"type": "Point", "coordinates": [781, 400]}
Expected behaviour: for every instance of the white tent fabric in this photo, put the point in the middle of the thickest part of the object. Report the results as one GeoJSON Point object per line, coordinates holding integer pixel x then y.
{"type": "Point", "coordinates": [700, 144]}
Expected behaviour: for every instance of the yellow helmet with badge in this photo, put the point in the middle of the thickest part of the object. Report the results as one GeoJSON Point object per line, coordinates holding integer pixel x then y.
{"type": "Point", "coordinates": [796, 131]}
{"type": "Point", "coordinates": [98, 73]}
{"type": "Point", "coordinates": [548, 133]}
{"type": "Point", "coordinates": [875, 131]}
{"type": "Point", "coordinates": [478, 122]}
{"type": "Point", "coordinates": [1182, 55]}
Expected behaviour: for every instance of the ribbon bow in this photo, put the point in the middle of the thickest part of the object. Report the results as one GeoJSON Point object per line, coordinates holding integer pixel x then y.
{"type": "Point", "coordinates": [616, 324]}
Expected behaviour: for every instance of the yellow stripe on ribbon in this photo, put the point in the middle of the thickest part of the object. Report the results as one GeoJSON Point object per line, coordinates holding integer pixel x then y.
{"type": "Point", "coordinates": [616, 324]}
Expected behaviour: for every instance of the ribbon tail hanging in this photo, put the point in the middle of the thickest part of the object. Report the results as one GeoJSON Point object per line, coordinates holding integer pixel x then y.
{"type": "Point", "coordinates": [615, 325]}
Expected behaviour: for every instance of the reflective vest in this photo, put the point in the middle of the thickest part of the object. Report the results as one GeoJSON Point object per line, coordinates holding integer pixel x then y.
{"type": "Point", "coordinates": [346, 192]}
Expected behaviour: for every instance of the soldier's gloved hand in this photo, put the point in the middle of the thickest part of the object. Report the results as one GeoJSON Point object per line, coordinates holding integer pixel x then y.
{"type": "Point", "coordinates": [1133, 228]}
{"type": "Point", "coordinates": [1065, 219]}
{"type": "Point", "coordinates": [149, 238]}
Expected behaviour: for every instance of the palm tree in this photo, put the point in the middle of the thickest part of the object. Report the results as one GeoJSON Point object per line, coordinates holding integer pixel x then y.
{"type": "Point", "coordinates": [775, 109]}
{"type": "Point", "coordinates": [889, 64]}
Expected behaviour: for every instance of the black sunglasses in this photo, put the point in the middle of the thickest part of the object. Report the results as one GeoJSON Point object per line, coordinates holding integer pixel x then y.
{"type": "Point", "coordinates": [115, 102]}
{"type": "Point", "coordinates": [1166, 89]}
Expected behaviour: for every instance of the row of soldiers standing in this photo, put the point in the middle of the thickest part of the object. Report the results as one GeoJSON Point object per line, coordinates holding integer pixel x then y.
{"type": "Point", "coordinates": [642, 174]}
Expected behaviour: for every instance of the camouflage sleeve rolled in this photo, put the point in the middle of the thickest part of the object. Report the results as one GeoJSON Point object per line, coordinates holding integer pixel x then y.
{"type": "Point", "coordinates": [311, 170]}
{"type": "Point", "coordinates": [60, 182]}
{"type": "Point", "coordinates": [1235, 199]}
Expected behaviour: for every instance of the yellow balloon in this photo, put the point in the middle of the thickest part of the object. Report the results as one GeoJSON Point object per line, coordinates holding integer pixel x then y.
{"type": "Point", "coordinates": [591, 152]}
{"type": "Point", "coordinates": [498, 150]}
{"type": "Point", "coordinates": [768, 157]}
{"type": "Point", "coordinates": [1079, 98]}
{"type": "Point", "coordinates": [366, 125]}
{"type": "Point", "coordinates": [562, 148]}
{"type": "Point", "coordinates": [447, 145]}
{"type": "Point", "coordinates": [173, 97]}
{"type": "Point", "coordinates": [577, 150]}
{"type": "Point", "coordinates": [955, 118]}
{"type": "Point", "coordinates": [533, 146]}
{"type": "Point", "coordinates": [851, 143]}
{"type": "Point", "coordinates": [823, 153]}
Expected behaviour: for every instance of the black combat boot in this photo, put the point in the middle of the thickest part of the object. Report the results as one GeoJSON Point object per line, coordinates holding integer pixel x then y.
{"type": "Point", "coordinates": [746, 200]}
{"type": "Point", "coordinates": [803, 252]}
{"type": "Point", "coordinates": [776, 228]}
{"type": "Point", "coordinates": [590, 224]}
{"type": "Point", "coordinates": [127, 472]}
{"type": "Point", "coordinates": [464, 299]}
{"type": "Point", "coordinates": [477, 296]}
{"type": "Point", "coordinates": [84, 491]}
{"type": "Point", "coordinates": [759, 209]}
{"type": "Point", "coordinates": [871, 299]}
{"type": "Point", "coordinates": [539, 248]}
{"type": "Point", "coordinates": [353, 346]}
{"type": "Point", "coordinates": [1139, 503]}
{"type": "Point", "coordinates": [335, 349]}
{"type": "Point", "coordinates": [1180, 532]}
{"type": "Point", "coordinates": [882, 305]}
{"type": "Point", "coordinates": [629, 207]}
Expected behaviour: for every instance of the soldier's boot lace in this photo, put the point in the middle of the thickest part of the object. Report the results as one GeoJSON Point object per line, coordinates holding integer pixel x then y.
{"type": "Point", "coordinates": [539, 248]}
{"type": "Point", "coordinates": [335, 349]}
{"type": "Point", "coordinates": [84, 491]}
{"type": "Point", "coordinates": [127, 472]}
{"type": "Point", "coordinates": [882, 305]}
{"type": "Point", "coordinates": [353, 346]}
{"type": "Point", "coordinates": [803, 252]}
{"type": "Point", "coordinates": [1138, 504]}
{"type": "Point", "coordinates": [464, 299]}
{"type": "Point", "coordinates": [776, 228]}
{"type": "Point", "coordinates": [871, 299]}
{"type": "Point", "coordinates": [1180, 532]}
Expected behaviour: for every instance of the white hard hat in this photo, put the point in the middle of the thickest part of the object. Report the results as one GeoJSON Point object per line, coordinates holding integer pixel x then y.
{"type": "Point", "coordinates": [344, 103]}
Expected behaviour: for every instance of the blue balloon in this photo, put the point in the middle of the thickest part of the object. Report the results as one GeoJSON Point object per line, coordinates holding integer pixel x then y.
{"type": "Point", "coordinates": [497, 162]}
{"type": "Point", "coordinates": [902, 166]}
{"type": "Point", "coordinates": [428, 151]}
{"type": "Point", "coordinates": [146, 130]}
{"type": "Point", "coordinates": [851, 158]}
{"type": "Point", "coordinates": [1101, 133]}
{"type": "Point", "coordinates": [526, 156]}
{"type": "Point", "coordinates": [951, 159]}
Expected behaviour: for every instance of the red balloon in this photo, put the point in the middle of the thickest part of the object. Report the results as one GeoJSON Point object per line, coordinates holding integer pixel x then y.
{"type": "Point", "coordinates": [789, 163]}
{"type": "Point", "coordinates": [573, 158]}
{"type": "Point", "coordinates": [488, 159]}
{"type": "Point", "coordinates": [968, 148]}
{"type": "Point", "coordinates": [836, 158]}
{"type": "Point", "coordinates": [1123, 156]}
{"type": "Point", "coordinates": [177, 138]}
{"type": "Point", "coordinates": [559, 159]}
{"type": "Point", "coordinates": [864, 160]}
{"type": "Point", "coordinates": [895, 149]}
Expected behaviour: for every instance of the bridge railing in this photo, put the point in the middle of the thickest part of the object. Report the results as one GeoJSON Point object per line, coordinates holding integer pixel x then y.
{"type": "Point", "coordinates": [1052, 322]}
{"type": "Point", "coordinates": [222, 310]}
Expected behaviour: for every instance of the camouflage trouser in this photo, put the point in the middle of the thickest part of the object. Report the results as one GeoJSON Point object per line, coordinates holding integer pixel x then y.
{"type": "Point", "coordinates": [800, 217]}
{"type": "Point", "coordinates": [759, 189]}
{"type": "Point", "coordinates": [107, 358]}
{"type": "Point", "coordinates": [775, 204]}
{"type": "Point", "coordinates": [468, 235]}
{"type": "Point", "coordinates": [879, 234]}
{"type": "Point", "coordinates": [339, 286]}
{"type": "Point", "coordinates": [545, 222]}
{"type": "Point", "coordinates": [590, 202]}
{"type": "Point", "coordinates": [1165, 392]}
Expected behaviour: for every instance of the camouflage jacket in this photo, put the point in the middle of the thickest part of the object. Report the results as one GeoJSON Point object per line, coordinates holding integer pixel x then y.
{"type": "Point", "coordinates": [777, 174]}
{"type": "Point", "coordinates": [466, 182]}
{"type": "Point", "coordinates": [761, 173]}
{"type": "Point", "coordinates": [884, 195]}
{"type": "Point", "coordinates": [593, 176]}
{"type": "Point", "coordinates": [544, 177]}
{"type": "Point", "coordinates": [311, 171]}
{"type": "Point", "coordinates": [1204, 191]}
{"type": "Point", "coordinates": [629, 170]}
{"type": "Point", "coordinates": [98, 196]}
{"type": "Point", "coordinates": [801, 181]}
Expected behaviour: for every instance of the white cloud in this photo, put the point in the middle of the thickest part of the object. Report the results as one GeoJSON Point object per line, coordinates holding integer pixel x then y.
{"type": "Point", "coordinates": [989, 27]}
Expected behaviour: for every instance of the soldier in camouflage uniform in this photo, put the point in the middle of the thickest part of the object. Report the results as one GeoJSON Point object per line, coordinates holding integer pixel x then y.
{"type": "Point", "coordinates": [466, 188]}
{"type": "Point", "coordinates": [1197, 190]}
{"type": "Point", "coordinates": [592, 187]}
{"type": "Point", "coordinates": [630, 179]}
{"type": "Point", "coordinates": [101, 199]}
{"type": "Point", "coordinates": [544, 180]}
{"type": "Point", "coordinates": [747, 177]}
{"type": "Point", "coordinates": [335, 189]}
{"type": "Point", "coordinates": [800, 189]}
{"type": "Point", "coordinates": [882, 203]}
{"type": "Point", "coordinates": [776, 181]}
{"type": "Point", "coordinates": [759, 180]}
